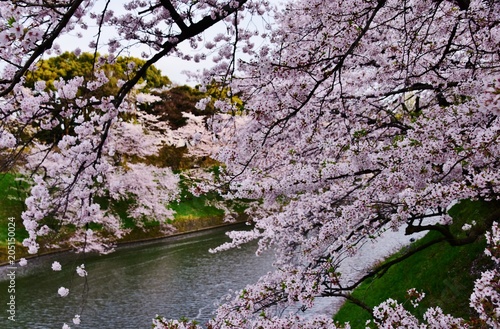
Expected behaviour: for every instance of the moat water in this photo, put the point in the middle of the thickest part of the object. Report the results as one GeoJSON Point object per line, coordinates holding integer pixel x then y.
{"type": "Point", "coordinates": [175, 277]}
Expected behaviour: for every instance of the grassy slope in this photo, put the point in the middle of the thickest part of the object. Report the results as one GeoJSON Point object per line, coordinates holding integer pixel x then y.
{"type": "Point", "coordinates": [192, 213]}
{"type": "Point", "coordinates": [445, 273]}
{"type": "Point", "coordinates": [10, 206]}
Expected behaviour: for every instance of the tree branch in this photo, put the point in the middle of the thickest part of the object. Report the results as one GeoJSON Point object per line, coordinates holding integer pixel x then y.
{"type": "Point", "coordinates": [189, 32]}
{"type": "Point", "coordinates": [46, 44]}
{"type": "Point", "coordinates": [174, 14]}
{"type": "Point", "coordinates": [385, 266]}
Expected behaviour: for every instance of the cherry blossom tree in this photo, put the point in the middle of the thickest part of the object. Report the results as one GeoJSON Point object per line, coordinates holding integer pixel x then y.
{"type": "Point", "coordinates": [364, 116]}
{"type": "Point", "coordinates": [79, 167]}
{"type": "Point", "coordinates": [358, 116]}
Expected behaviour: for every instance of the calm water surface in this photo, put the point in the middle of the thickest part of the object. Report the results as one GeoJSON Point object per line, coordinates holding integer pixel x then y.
{"type": "Point", "coordinates": [175, 278]}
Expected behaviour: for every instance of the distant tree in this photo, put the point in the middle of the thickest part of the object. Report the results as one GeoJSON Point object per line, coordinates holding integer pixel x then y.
{"type": "Point", "coordinates": [70, 65]}
{"type": "Point", "coordinates": [185, 99]}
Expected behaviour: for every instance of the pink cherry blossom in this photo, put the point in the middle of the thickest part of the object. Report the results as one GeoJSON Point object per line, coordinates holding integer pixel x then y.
{"type": "Point", "coordinates": [56, 266]}
{"type": "Point", "coordinates": [63, 292]}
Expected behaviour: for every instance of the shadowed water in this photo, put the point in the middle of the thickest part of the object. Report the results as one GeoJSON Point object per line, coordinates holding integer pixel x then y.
{"type": "Point", "coordinates": [174, 278]}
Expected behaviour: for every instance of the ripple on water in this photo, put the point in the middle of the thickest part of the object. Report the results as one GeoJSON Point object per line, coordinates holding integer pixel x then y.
{"type": "Point", "coordinates": [126, 289]}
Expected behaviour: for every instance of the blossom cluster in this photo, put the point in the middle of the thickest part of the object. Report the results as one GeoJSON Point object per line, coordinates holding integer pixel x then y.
{"type": "Point", "coordinates": [366, 115]}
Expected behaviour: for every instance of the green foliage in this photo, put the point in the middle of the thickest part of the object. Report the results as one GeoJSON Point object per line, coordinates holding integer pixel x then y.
{"type": "Point", "coordinates": [191, 207]}
{"type": "Point", "coordinates": [223, 93]}
{"type": "Point", "coordinates": [11, 21]}
{"type": "Point", "coordinates": [445, 273]}
{"type": "Point", "coordinates": [68, 65]}
{"type": "Point", "coordinates": [178, 159]}
{"type": "Point", "coordinates": [471, 212]}
{"type": "Point", "coordinates": [216, 171]}
{"type": "Point", "coordinates": [360, 133]}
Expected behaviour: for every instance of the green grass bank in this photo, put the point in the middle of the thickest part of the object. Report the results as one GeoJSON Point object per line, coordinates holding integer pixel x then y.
{"type": "Point", "coordinates": [445, 273]}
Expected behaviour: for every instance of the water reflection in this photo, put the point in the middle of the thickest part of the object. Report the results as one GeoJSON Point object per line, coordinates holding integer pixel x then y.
{"type": "Point", "coordinates": [126, 289]}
